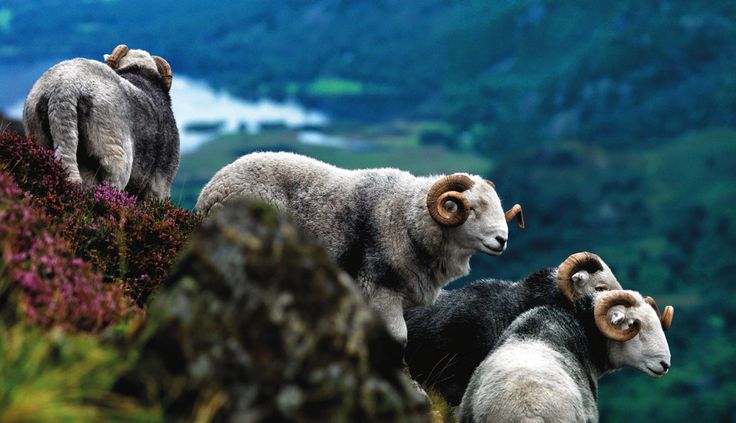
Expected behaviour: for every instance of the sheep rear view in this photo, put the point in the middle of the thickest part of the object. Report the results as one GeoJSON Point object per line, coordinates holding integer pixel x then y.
{"type": "Point", "coordinates": [399, 236]}
{"type": "Point", "coordinates": [109, 122]}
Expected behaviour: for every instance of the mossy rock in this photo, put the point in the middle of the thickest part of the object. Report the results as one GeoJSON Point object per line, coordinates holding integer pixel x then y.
{"type": "Point", "coordinates": [258, 324]}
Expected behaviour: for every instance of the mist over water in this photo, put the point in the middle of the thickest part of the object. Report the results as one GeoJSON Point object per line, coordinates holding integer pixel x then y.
{"type": "Point", "coordinates": [212, 112]}
{"type": "Point", "coordinates": [201, 112]}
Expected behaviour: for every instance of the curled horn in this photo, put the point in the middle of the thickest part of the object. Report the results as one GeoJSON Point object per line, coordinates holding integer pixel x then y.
{"type": "Point", "coordinates": [113, 60]}
{"type": "Point", "coordinates": [515, 212]}
{"type": "Point", "coordinates": [573, 264]}
{"type": "Point", "coordinates": [611, 299]}
{"type": "Point", "coordinates": [164, 69]}
{"type": "Point", "coordinates": [449, 188]}
{"type": "Point", "coordinates": [666, 317]}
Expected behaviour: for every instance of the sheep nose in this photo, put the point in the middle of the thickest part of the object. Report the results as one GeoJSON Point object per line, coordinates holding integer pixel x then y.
{"type": "Point", "coordinates": [501, 241]}
{"type": "Point", "coordinates": [665, 366]}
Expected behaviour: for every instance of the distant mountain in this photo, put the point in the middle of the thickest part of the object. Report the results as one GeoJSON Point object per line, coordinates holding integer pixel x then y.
{"type": "Point", "coordinates": [503, 73]}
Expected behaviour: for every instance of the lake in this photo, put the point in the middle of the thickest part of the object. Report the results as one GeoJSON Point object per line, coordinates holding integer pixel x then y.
{"type": "Point", "coordinates": [201, 112]}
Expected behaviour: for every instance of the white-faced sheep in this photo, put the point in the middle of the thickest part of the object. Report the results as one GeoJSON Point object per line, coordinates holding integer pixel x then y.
{"type": "Point", "coordinates": [399, 236]}
{"type": "Point", "coordinates": [546, 365]}
{"type": "Point", "coordinates": [109, 122]}
{"type": "Point", "coordinates": [450, 338]}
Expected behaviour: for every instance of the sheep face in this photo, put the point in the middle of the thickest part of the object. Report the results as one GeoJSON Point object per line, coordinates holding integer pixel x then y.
{"type": "Point", "coordinates": [486, 229]}
{"type": "Point", "coordinates": [583, 274]}
{"type": "Point", "coordinates": [648, 350]}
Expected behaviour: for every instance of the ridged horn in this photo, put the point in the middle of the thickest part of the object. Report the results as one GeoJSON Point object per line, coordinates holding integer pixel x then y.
{"type": "Point", "coordinates": [608, 300]}
{"type": "Point", "coordinates": [515, 212]}
{"type": "Point", "coordinates": [449, 188]}
{"type": "Point", "coordinates": [573, 264]}
{"type": "Point", "coordinates": [664, 318]}
{"type": "Point", "coordinates": [164, 69]}
{"type": "Point", "coordinates": [113, 60]}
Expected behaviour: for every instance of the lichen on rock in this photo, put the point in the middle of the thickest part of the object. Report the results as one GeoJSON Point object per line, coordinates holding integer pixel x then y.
{"type": "Point", "coordinates": [258, 324]}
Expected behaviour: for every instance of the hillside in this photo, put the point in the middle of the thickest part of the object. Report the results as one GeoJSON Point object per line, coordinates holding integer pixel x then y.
{"type": "Point", "coordinates": [114, 309]}
{"type": "Point", "coordinates": [504, 74]}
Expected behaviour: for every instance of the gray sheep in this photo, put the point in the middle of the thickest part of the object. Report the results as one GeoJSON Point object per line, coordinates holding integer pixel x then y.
{"type": "Point", "coordinates": [109, 122]}
{"type": "Point", "coordinates": [546, 366]}
{"type": "Point", "coordinates": [399, 236]}
{"type": "Point", "coordinates": [450, 338]}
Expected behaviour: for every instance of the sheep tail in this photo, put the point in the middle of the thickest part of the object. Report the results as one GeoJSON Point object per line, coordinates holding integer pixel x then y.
{"type": "Point", "coordinates": [65, 133]}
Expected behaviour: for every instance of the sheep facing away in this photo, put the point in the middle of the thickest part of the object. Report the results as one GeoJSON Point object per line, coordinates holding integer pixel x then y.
{"type": "Point", "coordinates": [450, 338]}
{"type": "Point", "coordinates": [546, 365]}
{"type": "Point", "coordinates": [109, 122]}
{"type": "Point", "coordinates": [399, 236]}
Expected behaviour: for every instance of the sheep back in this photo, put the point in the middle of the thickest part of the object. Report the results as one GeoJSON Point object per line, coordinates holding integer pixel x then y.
{"type": "Point", "coordinates": [450, 338]}
{"type": "Point", "coordinates": [359, 216]}
{"type": "Point", "coordinates": [544, 351]}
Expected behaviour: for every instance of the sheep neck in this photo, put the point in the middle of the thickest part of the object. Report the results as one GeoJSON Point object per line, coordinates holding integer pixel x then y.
{"type": "Point", "coordinates": [440, 259]}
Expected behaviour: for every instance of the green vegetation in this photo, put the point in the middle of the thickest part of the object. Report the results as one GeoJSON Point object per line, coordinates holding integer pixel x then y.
{"type": "Point", "coordinates": [60, 377]}
{"type": "Point", "coordinates": [334, 87]}
{"type": "Point", "coordinates": [6, 18]}
{"type": "Point", "coordinates": [612, 123]}
{"type": "Point", "coordinates": [503, 74]}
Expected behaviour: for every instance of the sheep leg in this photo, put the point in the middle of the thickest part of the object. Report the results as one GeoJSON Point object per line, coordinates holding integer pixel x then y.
{"type": "Point", "coordinates": [388, 304]}
{"type": "Point", "coordinates": [159, 187]}
{"type": "Point", "coordinates": [62, 115]}
{"type": "Point", "coordinates": [114, 149]}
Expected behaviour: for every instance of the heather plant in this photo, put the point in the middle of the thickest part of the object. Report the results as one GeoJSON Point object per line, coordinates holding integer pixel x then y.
{"type": "Point", "coordinates": [55, 376]}
{"type": "Point", "coordinates": [125, 240]}
{"type": "Point", "coordinates": [56, 287]}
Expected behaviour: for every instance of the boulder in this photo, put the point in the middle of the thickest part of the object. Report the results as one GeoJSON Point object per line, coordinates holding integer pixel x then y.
{"type": "Point", "coordinates": [258, 324]}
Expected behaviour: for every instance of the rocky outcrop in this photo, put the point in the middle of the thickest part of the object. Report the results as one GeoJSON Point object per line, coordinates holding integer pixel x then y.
{"type": "Point", "coordinates": [257, 324]}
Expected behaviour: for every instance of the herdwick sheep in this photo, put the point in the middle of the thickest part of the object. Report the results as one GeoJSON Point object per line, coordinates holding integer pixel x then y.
{"type": "Point", "coordinates": [450, 338]}
{"type": "Point", "coordinates": [109, 122]}
{"type": "Point", "coordinates": [399, 236]}
{"type": "Point", "coordinates": [546, 365]}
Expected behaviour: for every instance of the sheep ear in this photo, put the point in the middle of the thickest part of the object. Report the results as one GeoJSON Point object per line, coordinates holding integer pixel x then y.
{"type": "Point", "coordinates": [581, 277]}
{"type": "Point", "coordinates": [616, 315]}
{"type": "Point", "coordinates": [450, 206]}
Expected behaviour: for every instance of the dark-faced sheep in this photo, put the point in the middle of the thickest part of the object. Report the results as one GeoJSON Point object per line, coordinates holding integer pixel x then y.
{"type": "Point", "coordinates": [109, 122]}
